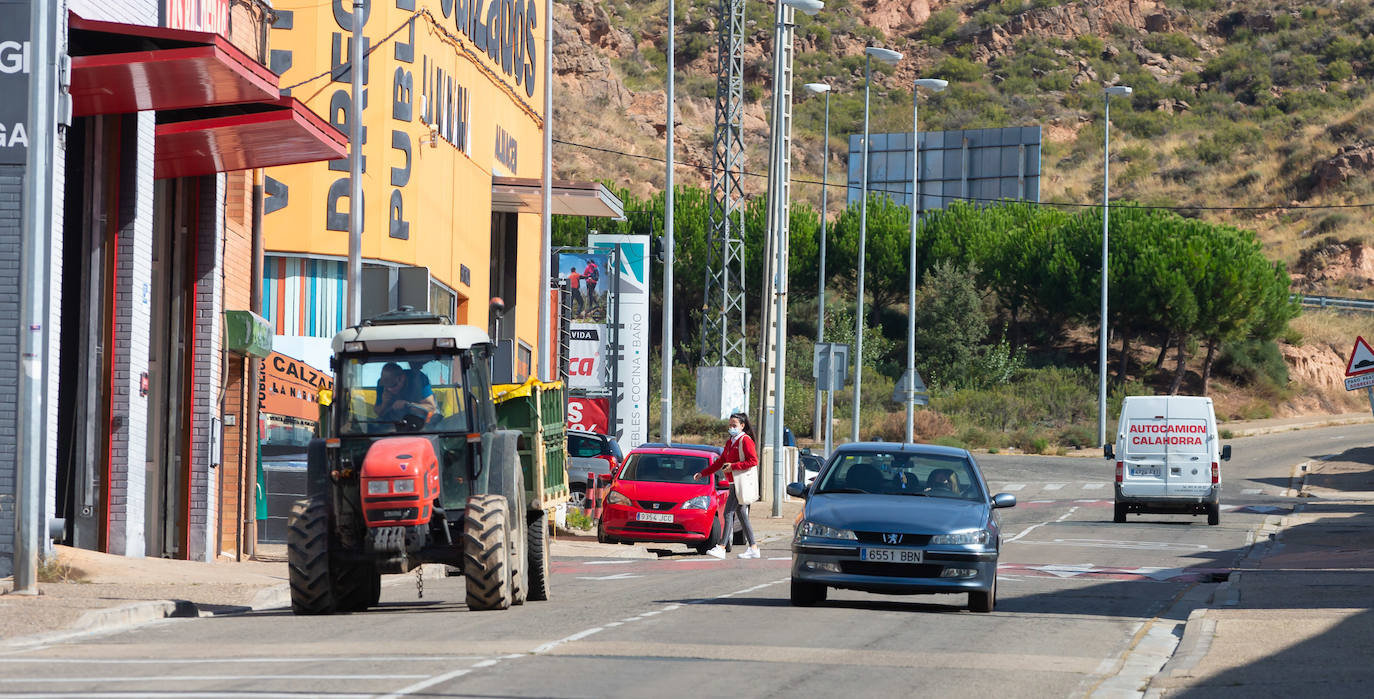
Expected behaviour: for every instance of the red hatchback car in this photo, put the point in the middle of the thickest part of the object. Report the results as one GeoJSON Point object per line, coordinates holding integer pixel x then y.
{"type": "Point", "coordinates": [655, 499]}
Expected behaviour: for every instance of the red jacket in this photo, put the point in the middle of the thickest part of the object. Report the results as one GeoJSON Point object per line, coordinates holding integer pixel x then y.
{"type": "Point", "coordinates": [739, 455]}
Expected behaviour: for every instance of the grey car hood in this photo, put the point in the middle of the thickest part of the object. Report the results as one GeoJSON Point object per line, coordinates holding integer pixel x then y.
{"type": "Point", "coordinates": [896, 513]}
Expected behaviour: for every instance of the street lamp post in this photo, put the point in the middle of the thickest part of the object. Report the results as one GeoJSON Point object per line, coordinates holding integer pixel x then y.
{"type": "Point", "coordinates": [889, 57]}
{"type": "Point", "coordinates": [782, 125]}
{"type": "Point", "coordinates": [1107, 94]}
{"type": "Point", "coordinates": [822, 88]}
{"type": "Point", "coordinates": [934, 85]}
{"type": "Point", "coordinates": [666, 350]}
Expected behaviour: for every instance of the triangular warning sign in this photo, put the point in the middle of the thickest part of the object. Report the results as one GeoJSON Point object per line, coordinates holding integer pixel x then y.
{"type": "Point", "coordinates": [1361, 359]}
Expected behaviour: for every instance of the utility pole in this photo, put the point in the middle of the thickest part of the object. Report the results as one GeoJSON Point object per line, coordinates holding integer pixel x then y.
{"type": "Point", "coordinates": [355, 172]}
{"type": "Point", "coordinates": [667, 347]}
{"type": "Point", "coordinates": [547, 370]}
{"type": "Point", "coordinates": [35, 292]}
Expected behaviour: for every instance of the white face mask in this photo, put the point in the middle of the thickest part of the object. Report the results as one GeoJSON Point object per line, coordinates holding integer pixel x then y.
{"type": "Point", "coordinates": [735, 431]}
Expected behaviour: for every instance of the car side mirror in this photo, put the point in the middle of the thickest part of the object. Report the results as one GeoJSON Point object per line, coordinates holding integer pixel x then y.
{"type": "Point", "coordinates": [797, 490]}
{"type": "Point", "coordinates": [1002, 500]}
{"type": "Point", "coordinates": [1226, 452]}
{"type": "Point", "coordinates": [721, 482]}
{"type": "Point", "coordinates": [1107, 451]}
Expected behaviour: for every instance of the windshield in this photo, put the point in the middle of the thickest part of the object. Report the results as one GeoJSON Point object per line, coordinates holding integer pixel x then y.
{"type": "Point", "coordinates": [664, 468]}
{"type": "Point", "coordinates": [401, 393]}
{"type": "Point", "coordinates": [887, 473]}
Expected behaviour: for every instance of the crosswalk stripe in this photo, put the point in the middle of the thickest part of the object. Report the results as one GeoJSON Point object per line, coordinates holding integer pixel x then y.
{"type": "Point", "coordinates": [1094, 486]}
{"type": "Point", "coordinates": [1251, 491]}
{"type": "Point", "coordinates": [1053, 486]}
{"type": "Point", "coordinates": [1013, 486]}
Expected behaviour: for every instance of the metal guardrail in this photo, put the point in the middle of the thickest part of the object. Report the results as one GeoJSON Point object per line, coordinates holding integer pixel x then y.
{"type": "Point", "coordinates": [1335, 302]}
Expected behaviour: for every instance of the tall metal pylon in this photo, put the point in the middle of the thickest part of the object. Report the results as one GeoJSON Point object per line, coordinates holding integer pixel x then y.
{"type": "Point", "coordinates": [722, 336]}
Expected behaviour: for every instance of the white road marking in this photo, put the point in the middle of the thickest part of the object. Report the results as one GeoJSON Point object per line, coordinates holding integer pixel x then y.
{"type": "Point", "coordinates": [426, 684]}
{"type": "Point", "coordinates": [194, 695]}
{"type": "Point", "coordinates": [1094, 486]}
{"type": "Point", "coordinates": [617, 576]}
{"type": "Point", "coordinates": [1061, 570]}
{"type": "Point", "coordinates": [219, 661]}
{"type": "Point", "coordinates": [1013, 487]}
{"type": "Point", "coordinates": [1053, 486]}
{"type": "Point", "coordinates": [1026, 531]}
{"type": "Point", "coordinates": [1111, 544]}
{"type": "Point", "coordinates": [566, 639]}
{"type": "Point", "coordinates": [1251, 491]}
{"type": "Point", "coordinates": [606, 563]}
{"type": "Point", "coordinates": [200, 678]}
{"type": "Point", "coordinates": [1066, 515]}
{"type": "Point", "coordinates": [780, 558]}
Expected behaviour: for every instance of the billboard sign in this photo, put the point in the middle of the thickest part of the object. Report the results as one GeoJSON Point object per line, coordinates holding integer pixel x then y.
{"type": "Point", "coordinates": [631, 426]}
{"type": "Point", "coordinates": [15, 67]}
{"type": "Point", "coordinates": [587, 352]}
{"type": "Point", "coordinates": [197, 15]}
{"type": "Point", "coordinates": [589, 414]}
{"type": "Point", "coordinates": [977, 165]}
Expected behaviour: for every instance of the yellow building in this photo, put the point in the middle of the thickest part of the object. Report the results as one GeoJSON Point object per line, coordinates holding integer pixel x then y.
{"type": "Point", "coordinates": [453, 143]}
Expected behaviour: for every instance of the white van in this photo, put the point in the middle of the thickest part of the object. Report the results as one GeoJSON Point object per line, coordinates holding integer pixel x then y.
{"type": "Point", "coordinates": [1168, 457]}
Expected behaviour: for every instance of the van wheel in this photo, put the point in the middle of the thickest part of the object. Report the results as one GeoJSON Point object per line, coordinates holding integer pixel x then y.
{"type": "Point", "coordinates": [1119, 516]}
{"type": "Point", "coordinates": [1214, 514]}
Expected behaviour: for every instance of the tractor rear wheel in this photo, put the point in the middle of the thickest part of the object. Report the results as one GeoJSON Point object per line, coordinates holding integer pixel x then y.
{"type": "Point", "coordinates": [486, 553]}
{"type": "Point", "coordinates": [537, 552]}
{"type": "Point", "coordinates": [307, 557]}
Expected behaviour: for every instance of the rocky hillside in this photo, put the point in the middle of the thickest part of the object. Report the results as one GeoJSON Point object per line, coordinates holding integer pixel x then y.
{"type": "Point", "coordinates": [1256, 114]}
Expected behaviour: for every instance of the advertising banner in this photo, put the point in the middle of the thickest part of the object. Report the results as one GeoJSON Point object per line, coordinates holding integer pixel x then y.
{"type": "Point", "coordinates": [632, 355]}
{"type": "Point", "coordinates": [289, 389]}
{"type": "Point", "coordinates": [589, 414]}
{"type": "Point", "coordinates": [198, 15]}
{"type": "Point", "coordinates": [587, 353]}
{"type": "Point", "coordinates": [588, 277]}
{"type": "Point", "coordinates": [15, 67]}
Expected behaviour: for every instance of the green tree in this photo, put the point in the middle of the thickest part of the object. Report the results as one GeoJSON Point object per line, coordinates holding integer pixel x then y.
{"type": "Point", "coordinates": [951, 322]}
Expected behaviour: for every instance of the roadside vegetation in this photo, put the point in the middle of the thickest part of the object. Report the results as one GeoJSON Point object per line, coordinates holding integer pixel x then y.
{"type": "Point", "coordinates": [1006, 313]}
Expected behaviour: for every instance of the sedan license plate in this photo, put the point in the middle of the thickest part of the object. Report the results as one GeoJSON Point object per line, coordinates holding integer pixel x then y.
{"type": "Point", "coordinates": [890, 555]}
{"type": "Point", "coordinates": [654, 517]}
{"type": "Point", "coordinates": [1151, 471]}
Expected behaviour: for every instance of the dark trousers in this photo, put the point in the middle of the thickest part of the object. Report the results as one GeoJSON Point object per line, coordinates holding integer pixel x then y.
{"type": "Point", "coordinates": [734, 508]}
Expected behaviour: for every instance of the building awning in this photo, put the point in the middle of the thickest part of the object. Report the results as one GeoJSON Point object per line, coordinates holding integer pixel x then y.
{"type": "Point", "coordinates": [218, 110]}
{"type": "Point", "coordinates": [522, 195]}
{"type": "Point", "coordinates": [122, 68]}
{"type": "Point", "coordinates": [239, 137]}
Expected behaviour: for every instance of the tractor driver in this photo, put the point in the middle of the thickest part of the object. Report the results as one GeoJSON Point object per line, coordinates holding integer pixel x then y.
{"type": "Point", "coordinates": [400, 389]}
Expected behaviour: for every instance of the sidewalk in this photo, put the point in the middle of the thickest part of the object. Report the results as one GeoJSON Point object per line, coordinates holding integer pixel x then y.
{"type": "Point", "coordinates": [103, 592]}
{"type": "Point", "coordinates": [1297, 618]}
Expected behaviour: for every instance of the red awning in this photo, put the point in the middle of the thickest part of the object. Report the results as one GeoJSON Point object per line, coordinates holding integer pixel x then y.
{"type": "Point", "coordinates": [120, 68]}
{"type": "Point", "coordinates": [281, 132]}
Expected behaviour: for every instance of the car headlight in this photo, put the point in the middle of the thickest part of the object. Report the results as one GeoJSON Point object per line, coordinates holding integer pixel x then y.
{"type": "Point", "coordinates": [615, 498]}
{"type": "Point", "coordinates": [403, 485]}
{"type": "Point", "coordinates": [809, 528]}
{"type": "Point", "coordinates": [378, 487]}
{"type": "Point", "coordinates": [968, 538]}
{"type": "Point", "coordinates": [699, 502]}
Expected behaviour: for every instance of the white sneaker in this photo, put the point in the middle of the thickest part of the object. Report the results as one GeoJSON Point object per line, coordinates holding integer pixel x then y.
{"type": "Point", "coordinates": [717, 551]}
{"type": "Point", "coordinates": [753, 552]}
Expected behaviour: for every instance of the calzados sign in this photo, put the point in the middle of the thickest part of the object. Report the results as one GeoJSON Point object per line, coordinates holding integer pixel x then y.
{"type": "Point", "coordinates": [504, 29]}
{"type": "Point", "coordinates": [1173, 435]}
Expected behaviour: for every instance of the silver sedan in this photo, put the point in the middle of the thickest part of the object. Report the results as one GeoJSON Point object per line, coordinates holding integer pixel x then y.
{"type": "Point", "coordinates": [898, 519]}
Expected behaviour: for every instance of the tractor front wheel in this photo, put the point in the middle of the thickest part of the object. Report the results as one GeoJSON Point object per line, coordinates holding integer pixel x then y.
{"type": "Point", "coordinates": [486, 553]}
{"type": "Point", "coordinates": [307, 557]}
{"type": "Point", "coordinates": [537, 552]}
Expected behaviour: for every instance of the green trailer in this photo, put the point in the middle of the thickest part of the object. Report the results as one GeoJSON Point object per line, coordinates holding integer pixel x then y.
{"type": "Point", "coordinates": [536, 410]}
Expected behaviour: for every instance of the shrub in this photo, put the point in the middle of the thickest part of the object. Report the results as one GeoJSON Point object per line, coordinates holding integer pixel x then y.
{"type": "Point", "coordinates": [579, 520]}
{"type": "Point", "coordinates": [698, 425]}
{"type": "Point", "coordinates": [1253, 362]}
{"type": "Point", "coordinates": [950, 442]}
{"type": "Point", "coordinates": [1077, 436]}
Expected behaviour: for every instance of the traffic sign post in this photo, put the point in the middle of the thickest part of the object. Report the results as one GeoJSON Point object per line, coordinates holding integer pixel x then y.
{"type": "Point", "coordinates": [1359, 370]}
{"type": "Point", "coordinates": [830, 368]}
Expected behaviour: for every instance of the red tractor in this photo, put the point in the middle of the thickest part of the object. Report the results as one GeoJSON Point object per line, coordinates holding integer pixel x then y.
{"type": "Point", "coordinates": [414, 468]}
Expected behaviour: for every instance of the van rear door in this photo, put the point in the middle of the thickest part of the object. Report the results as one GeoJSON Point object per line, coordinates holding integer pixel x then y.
{"type": "Point", "coordinates": [1144, 455]}
{"type": "Point", "coordinates": [1188, 449]}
